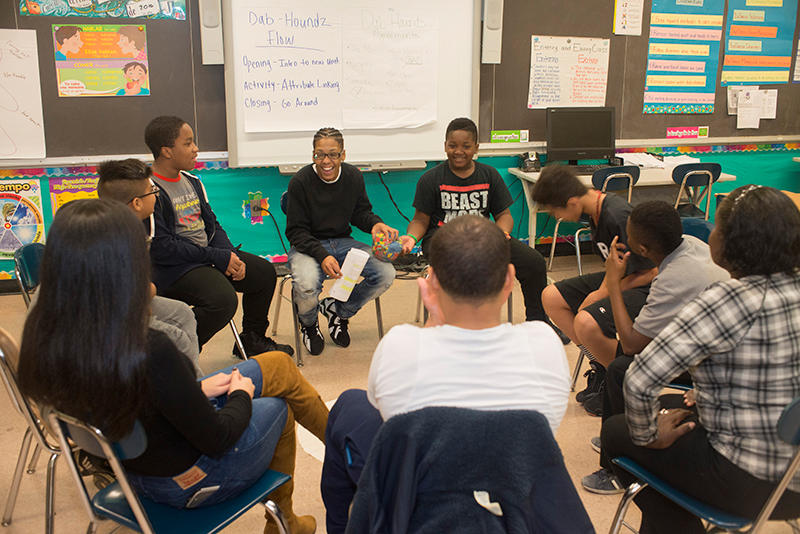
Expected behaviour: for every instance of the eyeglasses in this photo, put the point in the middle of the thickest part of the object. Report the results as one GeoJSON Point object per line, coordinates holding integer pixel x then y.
{"type": "Point", "coordinates": [333, 156]}
{"type": "Point", "coordinates": [155, 191]}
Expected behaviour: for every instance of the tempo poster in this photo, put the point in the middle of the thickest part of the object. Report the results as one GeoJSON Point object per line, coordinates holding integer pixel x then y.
{"type": "Point", "coordinates": [683, 56]}
{"type": "Point", "coordinates": [20, 215]}
{"type": "Point", "coordinates": [758, 42]}
{"type": "Point", "coordinates": [101, 60]}
{"type": "Point", "coordinates": [63, 190]}
{"type": "Point", "coordinates": [151, 9]}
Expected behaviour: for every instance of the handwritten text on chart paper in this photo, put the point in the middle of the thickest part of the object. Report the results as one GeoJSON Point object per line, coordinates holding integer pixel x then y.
{"type": "Point", "coordinates": [300, 67]}
{"type": "Point", "coordinates": [568, 71]}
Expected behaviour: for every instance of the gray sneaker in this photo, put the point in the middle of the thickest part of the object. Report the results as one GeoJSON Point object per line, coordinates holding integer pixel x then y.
{"type": "Point", "coordinates": [603, 482]}
{"type": "Point", "coordinates": [596, 444]}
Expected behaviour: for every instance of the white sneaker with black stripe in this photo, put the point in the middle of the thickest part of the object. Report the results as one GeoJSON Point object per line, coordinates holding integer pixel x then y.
{"type": "Point", "coordinates": [337, 327]}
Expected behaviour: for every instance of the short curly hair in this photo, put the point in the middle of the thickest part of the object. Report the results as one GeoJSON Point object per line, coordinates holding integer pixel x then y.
{"type": "Point", "coordinates": [657, 225]}
{"type": "Point", "coordinates": [162, 132]}
{"type": "Point", "coordinates": [760, 230]}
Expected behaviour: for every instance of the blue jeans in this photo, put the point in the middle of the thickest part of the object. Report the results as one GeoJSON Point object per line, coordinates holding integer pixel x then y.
{"type": "Point", "coordinates": [237, 469]}
{"type": "Point", "coordinates": [307, 278]}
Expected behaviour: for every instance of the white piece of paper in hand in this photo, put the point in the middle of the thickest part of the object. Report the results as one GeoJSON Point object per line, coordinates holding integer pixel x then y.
{"type": "Point", "coordinates": [353, 265]}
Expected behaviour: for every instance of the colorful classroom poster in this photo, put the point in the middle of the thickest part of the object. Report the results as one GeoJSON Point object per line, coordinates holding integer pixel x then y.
{"type": "Point", "coordinates": [683, 55]}
{"type": "Point", "coordinates": [628, 16]}
{"type": "Point", "coordinates": [21, 116]}
{"type": "Point", "coordinates": [63, 190]}
{"type": "Point", "coordinates": [151, 9]}
{"type": "Point", "coordinates": [796, 78]}
{"type": "Point", "coordinates": [20, 215]}
{"type": "Point", "coordinates": [758, 41]}
{"type": "Point", "coordinates": [568, 71]}
{"type": "Point", "coordinates": [101, 60]}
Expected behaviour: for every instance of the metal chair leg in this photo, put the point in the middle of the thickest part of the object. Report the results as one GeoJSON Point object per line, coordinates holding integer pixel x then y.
{"type": "Point", "coordinates": [380, 317]}
{"type": "Point", "coordinates": [578, 248]}
{"type": "Point", "coordinates": [576, 372]}
{"type": "Point", "coordinates": [631, 492]}
{"type": "Point", "coordinates": [50, 497]}
{"type": "Point", "coordinates": [298, 347]}
{"type": "Point", "coordinates": [277, 516]}
{"type": "Point", "coordinates": [13, 491]}
{"type": "Point", "coordinates": [37, 451]}
{"type": "Point", "coordinates": [278, 304]}
{"type": "Point", "coordinates": [238, 340]}
{"type": "Point", "coordinates": [553, 245]}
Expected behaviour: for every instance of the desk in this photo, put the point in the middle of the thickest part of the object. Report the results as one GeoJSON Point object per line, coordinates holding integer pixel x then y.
{"type": "Point", "coordinates": [648, 177]}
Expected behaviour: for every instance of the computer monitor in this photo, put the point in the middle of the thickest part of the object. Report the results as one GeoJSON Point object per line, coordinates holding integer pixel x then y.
{"type": "Point", "coordinates": [580, 133]}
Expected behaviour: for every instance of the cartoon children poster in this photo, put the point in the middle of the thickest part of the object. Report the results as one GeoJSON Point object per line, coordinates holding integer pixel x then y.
{"type": "Point", "coordinates": [101, 60]}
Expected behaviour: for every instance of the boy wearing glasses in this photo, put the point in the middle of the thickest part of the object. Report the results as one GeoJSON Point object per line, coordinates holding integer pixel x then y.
{"type": "Point", "coordinates": [129, 181]}
{"type": "Point", "coordinates": [323, 200]}
{"type": "Point", "coordinates": [193, 259]}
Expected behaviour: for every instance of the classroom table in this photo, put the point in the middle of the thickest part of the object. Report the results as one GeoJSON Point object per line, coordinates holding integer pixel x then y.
{"type": "Point", "coordinates": [648, 178]}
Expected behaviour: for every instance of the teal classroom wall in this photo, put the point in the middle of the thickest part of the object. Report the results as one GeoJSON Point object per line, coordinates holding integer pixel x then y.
{"type": "Point", "coordinates": [229, 188]}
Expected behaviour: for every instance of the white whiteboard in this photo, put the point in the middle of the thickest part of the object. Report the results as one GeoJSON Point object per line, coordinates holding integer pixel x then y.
{"type": "Point", "coordinates": [391, 77]}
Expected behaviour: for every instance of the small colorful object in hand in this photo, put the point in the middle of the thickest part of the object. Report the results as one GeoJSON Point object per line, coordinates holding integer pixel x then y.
{"type": "Point", "coordinates": [384, 249]}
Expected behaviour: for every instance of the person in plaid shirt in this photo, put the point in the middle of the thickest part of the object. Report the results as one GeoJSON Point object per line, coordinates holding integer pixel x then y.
{"type": "Point", "coordinates": [740, 340]}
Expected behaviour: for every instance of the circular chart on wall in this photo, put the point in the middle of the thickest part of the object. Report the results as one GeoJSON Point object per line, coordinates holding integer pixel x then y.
{"type": "Point", "coordinates": [22, 223]}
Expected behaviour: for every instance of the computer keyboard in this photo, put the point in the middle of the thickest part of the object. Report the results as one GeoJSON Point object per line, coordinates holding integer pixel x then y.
{"type": "Point", "coordinates": [587, 169]}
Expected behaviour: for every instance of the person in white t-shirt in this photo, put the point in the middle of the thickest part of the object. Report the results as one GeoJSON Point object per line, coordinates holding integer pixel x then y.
{"type": "Point", "coordinates": [464, 357]}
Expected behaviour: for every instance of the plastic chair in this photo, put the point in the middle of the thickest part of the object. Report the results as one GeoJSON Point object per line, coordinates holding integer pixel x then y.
{"type": "Point", "coordinates": [26, 268]}
{"type": "Point", "coordinates": [699, 228]}
{"type": "Point", "coordinates": [298, 346]}
{"type": "Point", "coordinates": [9, 357]}
{"type": "Point", "coordinates": [120, 503]}
{"type": "Point", "coordinates": [788, 431]}
{"type": "Point", "coordinates": [695, 176]}
{"type": "Point", "coordinates": [604, 180]}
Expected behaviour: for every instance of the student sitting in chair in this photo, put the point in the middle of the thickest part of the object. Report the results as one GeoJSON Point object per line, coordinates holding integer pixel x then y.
{"type": "Point", "coordinates": [464, 357]}
{"type": "Point", "coordinates": [87, 351]}
{"type": "Point", "coordinates": [193, 259]}
{"type": "Point", "coordinates": [580, 306]}
{"type": "Point", "coordinates": [128, 181]}
{"type": "Point", "coordinates": [685, 270]}
{"type": "Point", "coordinates": [460, 186]}
{"type": "Point", "coordinates": [323, 200]}
{"type": "Point", "coordinates": [739, 341]}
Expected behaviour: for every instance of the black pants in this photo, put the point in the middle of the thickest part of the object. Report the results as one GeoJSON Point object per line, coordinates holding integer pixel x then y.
{"type": "Point", "coordinates": [213, 296]}
{"type": "Point", "coordinates": [531, 272]}
{"type": "Point", "coordinates": [614, 398]}
{"type": "Point", "coordinates": [694, 467]}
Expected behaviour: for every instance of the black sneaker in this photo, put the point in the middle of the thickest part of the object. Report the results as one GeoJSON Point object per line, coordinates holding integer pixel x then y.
{"type": "Point", "coordinates": [337, 327]}
{"type": "Point", "coordinates": [312, 338]}
{"type": "Point", "coordinates": [594, 379]}
{"type": "Point", "coordinates": [255, 343]}
{"type": "Point", "coordinates": [594, 404]}
{"type": "Point", "coordinates": [602, 482]}
{"type": "Point", "coordinates": [561, 335]}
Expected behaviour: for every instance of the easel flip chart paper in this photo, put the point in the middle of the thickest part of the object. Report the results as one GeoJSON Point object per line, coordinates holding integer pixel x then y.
{"type": "Point", "coordinates": [21, 117]}
{"type": "Point", "coordinates": [289, 62]}
{"type": "Point", "coordinates": [568, 71]}
{"type": "Point", "coordinates": [400, 92]}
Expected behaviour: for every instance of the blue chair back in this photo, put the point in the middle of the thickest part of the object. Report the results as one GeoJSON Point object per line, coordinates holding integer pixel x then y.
{"type": "Point", "coordinates": [27, 260]}
{"type": "Point", "coordinates": [616, 178]}
{"type": "Point", "coordinates": [284, 201]}
{"type": "Point", "coordinates": [789, 423]}
{"type": "Point", "coordinates": [696, 174]}
{"type": "Point", "coordinates": [699, 228]}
